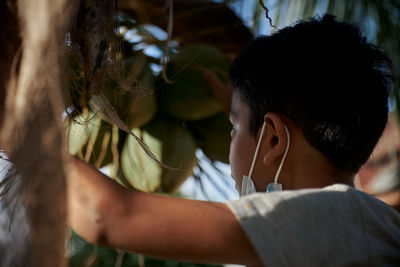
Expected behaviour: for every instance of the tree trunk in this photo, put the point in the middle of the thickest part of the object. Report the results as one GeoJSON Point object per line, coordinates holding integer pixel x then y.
{"type": "Point", "coordinates": [32, 133]}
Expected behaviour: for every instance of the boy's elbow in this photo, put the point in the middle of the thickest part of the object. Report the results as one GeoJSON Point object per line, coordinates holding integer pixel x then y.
{"type": "Point", "coordinates": [95, 203]}
{"type": "Point", "coordinates": [110, 215]}
{"type": "Point", "coordinates": [90, 227]}
{"type": "Point", "coordinates": [88, 217]}
{"type": "Point", "coordinates": [96, 238]}
{"type": "Point", "coordinates": [99, 238]}
{"type": "Point", "coordinates": [97, 234]}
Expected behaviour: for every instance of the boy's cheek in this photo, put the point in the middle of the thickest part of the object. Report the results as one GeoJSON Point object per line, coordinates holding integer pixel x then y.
{"type": "Point", "coordinates": [233, 161]}
{"type": "Point", "coordinates": [240, 155]}
{"type": "Point", "coordinates": [238, 161]}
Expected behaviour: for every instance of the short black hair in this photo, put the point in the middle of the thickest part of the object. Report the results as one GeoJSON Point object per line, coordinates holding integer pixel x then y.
{"type": "Point", "coordinates": [325, 76]}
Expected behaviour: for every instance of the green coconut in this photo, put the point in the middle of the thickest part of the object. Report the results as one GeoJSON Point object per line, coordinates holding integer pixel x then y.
{"type": "Point", "coordinates": [79, 131]}
{"type": "Point", "coordinates": [201, 55]}
{"type": "Point", "coordinates": [103, 142]}
{"type": "Point", "coordinates": [90, 137]}
{"type": "Point", "coordinates": [213, 136]}
{"type": "Point", "coordinates": [172, 144]}
{"type": "Point", "coordinates": [190, 96]}
{"type": "Point", "coordinates": [144, 106]}
{"type": "Point", "coordinates": [134, 100]}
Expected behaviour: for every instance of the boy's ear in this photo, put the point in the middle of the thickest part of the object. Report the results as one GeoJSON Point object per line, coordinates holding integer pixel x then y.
{"type": "Point", "coordinates": [275, 138]}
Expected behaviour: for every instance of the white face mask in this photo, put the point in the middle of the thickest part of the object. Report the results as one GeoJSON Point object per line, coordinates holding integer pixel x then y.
{"type": "Point", "coordinates": [247, 184]}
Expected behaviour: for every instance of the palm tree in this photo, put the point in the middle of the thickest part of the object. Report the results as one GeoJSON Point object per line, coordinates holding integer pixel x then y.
{"type": "Point", "coordinates": [159, 54]}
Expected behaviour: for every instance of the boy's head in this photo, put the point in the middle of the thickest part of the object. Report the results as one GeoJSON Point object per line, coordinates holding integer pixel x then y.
{"type": "Point", "coordinates": [327, 79]}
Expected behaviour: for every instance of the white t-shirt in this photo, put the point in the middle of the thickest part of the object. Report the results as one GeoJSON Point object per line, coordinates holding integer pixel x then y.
{"type": "Point", "coordinates": [334, 226]}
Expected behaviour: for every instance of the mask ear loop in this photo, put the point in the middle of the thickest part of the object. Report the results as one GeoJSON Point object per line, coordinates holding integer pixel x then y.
{"type": "Point", "coordinates": [257, 149]}
{"type": "Point", "coordinates": [248, 186]}
{"type": "Point", "coordinates": [275, 186]}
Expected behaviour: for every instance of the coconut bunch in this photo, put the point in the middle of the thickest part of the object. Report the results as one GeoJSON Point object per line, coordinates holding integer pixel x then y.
{"type": "Point", "coordinates": [172, 117]}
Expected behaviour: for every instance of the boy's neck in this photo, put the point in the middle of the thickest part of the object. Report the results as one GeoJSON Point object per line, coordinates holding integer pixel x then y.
{"type": "Point", "coordinates": [308, 168]}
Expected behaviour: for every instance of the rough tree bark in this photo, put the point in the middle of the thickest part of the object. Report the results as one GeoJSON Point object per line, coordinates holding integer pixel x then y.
{"type": "Point", "coordinates": [32, 132]}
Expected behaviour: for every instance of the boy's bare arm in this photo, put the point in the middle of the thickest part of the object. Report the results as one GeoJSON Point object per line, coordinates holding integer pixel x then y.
{"type": "Point", "coordinates": [105, 213]}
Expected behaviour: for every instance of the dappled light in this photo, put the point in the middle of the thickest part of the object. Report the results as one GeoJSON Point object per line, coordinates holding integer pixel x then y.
{"type": "Point", "coordinates": [141, 91]}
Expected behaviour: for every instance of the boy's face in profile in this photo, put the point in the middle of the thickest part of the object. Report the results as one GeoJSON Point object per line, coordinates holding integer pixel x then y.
{"type": "Point", "coordinates": [243, 143]}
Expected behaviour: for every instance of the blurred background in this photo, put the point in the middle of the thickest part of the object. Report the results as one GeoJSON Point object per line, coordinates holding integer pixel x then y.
{"type": "Point", "coordinates": [169, 86]}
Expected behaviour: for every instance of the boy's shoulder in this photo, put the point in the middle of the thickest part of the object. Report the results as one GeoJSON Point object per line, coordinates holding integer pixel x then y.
{"type": "Point", "coordinates": [340, 197]}
{"type": "Point", "coordinates": [312, 227]}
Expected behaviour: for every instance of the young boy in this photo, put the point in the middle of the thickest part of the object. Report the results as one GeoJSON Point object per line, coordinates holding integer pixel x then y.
{"type": "Point", "coordinates": [309, 104]}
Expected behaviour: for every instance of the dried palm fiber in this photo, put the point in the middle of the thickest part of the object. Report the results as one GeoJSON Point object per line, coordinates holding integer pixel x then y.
{"type": "Point", "coordinates": [32, 133]}
{"type": "Point", "coordinates": [95, 40]}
